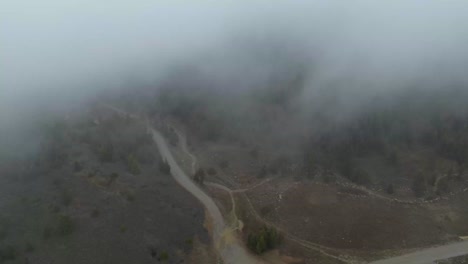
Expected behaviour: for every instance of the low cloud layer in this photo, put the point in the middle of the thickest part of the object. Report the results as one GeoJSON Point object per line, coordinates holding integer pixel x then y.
{"type": "Point", "coordinates": [56, 52]}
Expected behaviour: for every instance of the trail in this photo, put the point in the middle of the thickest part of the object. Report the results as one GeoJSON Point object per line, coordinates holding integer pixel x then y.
{"type": "Point", "coordinates": [228, 246]}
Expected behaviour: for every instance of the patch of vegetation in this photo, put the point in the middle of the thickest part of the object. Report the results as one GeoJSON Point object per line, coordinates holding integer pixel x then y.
{"type": "Point", "coordinates": [263, 240]}
{"type": "Point", "coordinates": [263, 172]}
{"type": "Point", "coordinates": [112, 177]}
{"type": "Point", "coordinates": [65, 225]}
{"type": "Point", "coordinates": [418, 186]}
{"type": "Point", "coordinates": [62, 226]}
{"type": "Point", "coordinates": [164, 167]}
{"type": "Point", "coordinates": [123, 228]}
{"type": "Point", "coordinates": [132, 165]}
{"type": "Point", "coordinates": [281, 164]}
{"type": "Point", "coordinates": [189, 241]}
{"type": "Point", "coordinates": [211, 171]}
{"type": "Point", "coordinates": [223, 164]}
{"type": "Point", "coordinates": [8, 252]}
{"type": "Point", "coordinates": [129, 195]}
{"type": "Point", "coordinates": [29, 247]}
{"type": "Point", "coordinates": [77, 166]}
{"type": "Point", "coordinates": [199, 176]}
{"type": "Point", "coordinates": [328, 177]}
{"type": "Point", "coordinates": [66, 198]}
{"type": "Point", "coordinates": [106, 153]}
{"type": "Point", "coordinates": [3, 229]}
{"type": "Point", "coordinates": [95, 213]}
{"type": "Point", "coordinates": [442, 186]}
{"type": "Point", "coordinates": [350, 170]}
{"type": "Point", "coordinates": [163, 256]}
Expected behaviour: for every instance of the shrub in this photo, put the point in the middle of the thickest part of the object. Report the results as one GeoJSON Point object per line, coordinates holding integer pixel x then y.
{"type": "Point", "coordinates": [223, 164]}
{"type": "Point", "coordinates": [418, 186]}
{"type": "Point", "coordinates": [211, 171]}
{"type": "Point", "coordinates": [163, 256]}
{"type": "Point", "coordinates": [263, 172]}
{"type": "Point", "coordinates": [112, 178]}
{"type": "Point", "coordinates": [106, 153]}
{"type": "Point", "coordinates": [47, 232]}
{"type": "Point", "coordinates": [164, 167]}
{"type": "Point", "coordinates": [29, 247]}
{"type": "Point", "coordinates": [199, 176]}
{"type": "Point", "coordinates": [132, 165]}
{"type": "Point", "coordinates": [65, 226]}
{"type": "Point", "coordinates": [442, 186]}
{"type": "Point", "coordinates": [77, 166]}
{"type": "Point", "coordinates": [129, 195]}
{"type": "Point", "coordinates": [66, 198]}
{"type": "Point", "coordinates": [265, 239]}
{"type": "Point", "coordinates": [189, 241]}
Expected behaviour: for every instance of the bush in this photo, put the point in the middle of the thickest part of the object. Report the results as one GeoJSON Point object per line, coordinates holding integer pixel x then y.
{"type": "Point", "coordinates": [164, 167]}
{"type": "Point", "coordinates": [265, 239]}
{"type": "Point", "coordinates": [112, 178]}
{"type": "Point", "coordinates": [263, 172]}
{"type": "Point", "coordinates": [132, 165]}
{"type": "Point", "coordinates": [163, 256]}
{"type": "Point", "coordinates": [77, 166]}
{"type": "Point", "coordinates": [223, 164]}
{"type": "Point", "coordinates": [211, 171]}
{"type": "Point", "coordinates": [62, 226]}
{"type": "Point", "coordinates": [29, 247]}
{"type": "Point", "coordinates": [66, 198]}
{"type": "Point", "coordinates": [106, 153]}
{"type": "Point", "coordinates": [129, 195]}
{"type": "Point", "coordinates": [199, 176]}
{"type": "Point", "coordinates": [65, 226]}
{"type": "Point", "coordinates": [418, 186]}
{"type": "Point", "coordinates": [189, 241]}
{"type": "Point", "coordinates": [442, 186]}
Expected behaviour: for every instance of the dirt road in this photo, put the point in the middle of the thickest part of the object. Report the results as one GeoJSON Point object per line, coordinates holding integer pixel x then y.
{"type": "Point", "coordinates": [428, 256]}
{"type": "Point", "coordinates": [229, 248]}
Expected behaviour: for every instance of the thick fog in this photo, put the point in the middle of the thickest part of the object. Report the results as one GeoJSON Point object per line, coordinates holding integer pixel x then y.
{"type": "Point", "coordinates": [55, 53]}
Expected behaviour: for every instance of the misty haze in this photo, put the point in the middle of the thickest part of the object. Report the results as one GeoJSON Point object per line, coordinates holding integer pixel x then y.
{"type": "Point", "coordinates": [236, 132]}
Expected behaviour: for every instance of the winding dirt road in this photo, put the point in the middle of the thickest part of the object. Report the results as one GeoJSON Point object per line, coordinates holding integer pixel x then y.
{"type": "Point", "coordinates": [230, 249]}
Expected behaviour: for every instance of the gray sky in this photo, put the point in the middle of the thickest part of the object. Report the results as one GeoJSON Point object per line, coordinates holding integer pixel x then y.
{"type": "Point", "coordinates": [53, 49]}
